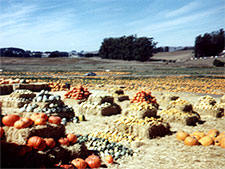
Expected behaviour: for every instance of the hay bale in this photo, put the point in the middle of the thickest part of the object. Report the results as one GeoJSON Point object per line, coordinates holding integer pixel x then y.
{"type": "Point", "coordinates": [165, 99]}
{"type": "Point", "coordinates": [22, 93]}
{"type": "Point", "coordinates": [6, 89]}
{"type": "Point", "coordinates": [112, 109]}
{"type": "Point", "coordinates": [20, 136]}
{"type": "Point", "coordinates": [178, 116]}
{"type": "Point", "coordinates": [123, 98]}
{"type": "Point", "coordinates": [180, 104]}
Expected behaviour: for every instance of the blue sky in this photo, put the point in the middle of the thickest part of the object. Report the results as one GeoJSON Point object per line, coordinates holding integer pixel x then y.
{"type": "Point", "coordinates": [83, 24]}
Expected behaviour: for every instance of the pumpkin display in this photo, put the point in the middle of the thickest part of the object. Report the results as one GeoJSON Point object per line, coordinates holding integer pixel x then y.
{"type": "Point", "coordinates": [54, 119]}
{"type": "Point", "coordinates": [36, 143]}
{"type": "Point", "coordinates": [181, 135]}
{"type": "Point", "coordinates": [50, 142]}
{"type": "Point", "coordinates": [109, 159]}
{"type": "Point", "coordinates": [93, 161]}
{"type": "Point", "coordinates": [10, 119]}
{"type": "Point", "coordinates": [40, 121]}
{"type": "Point", "coordinates": [79, 163]}
{"type": "Point", "coordinates": [72, 138]}
{"type": "Point", "coordinates": [1, 131]}
{"type": "Point", "coordinates": [20, 124]}
{"type": "Point", "coordinates": [190, 141]}
{"type": "Point", "coordinates": [79, 93]}
{"type": "Point", "coordinates": [213, 133]}
{"type": "Point", "coordinates": [64, 141]}
{"type": "Point", "coordinates": [206, 141]}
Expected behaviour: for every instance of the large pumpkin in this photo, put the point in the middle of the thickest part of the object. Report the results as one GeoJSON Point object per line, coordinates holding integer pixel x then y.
{"type": "Point", "coordinates": [206, 141]}
{"type": "Point", "coordinates": [93, 161]}
{"type": "Point", "coordinates": [64, 141]}
{"type": "Point", "coordinates": [198, 134]}
{"type": "Point", "coordinates": [217, 140]}
{"type": "Point", "coordinates": [191, 141]}
{"type": "Point", "coordinates": [213, 133]}
{"type": "Point", "coordinates": [181, 135]}
{"type": "Point", "coordinates": [79, 163]}
{"type": "Point", "coordinates": [19, 124]}
{"type": "Point", "coordinates": [54, 119]}
{"type": "Point", "coordinates": [10, 119]}
{"type": "Point", "coordinates": [72, 138]}
{"type": "Point", "coordinates": [37, 143]}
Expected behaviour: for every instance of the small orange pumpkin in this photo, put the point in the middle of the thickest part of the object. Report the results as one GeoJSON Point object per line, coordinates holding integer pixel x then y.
{"type": "Point", "coordinates": [213, 133]}
{"type": "Point", "coordinates": [43, 115]}
{"type": "Point", "coordinates": [10, 119]}
{"type": "Point", "coordinates": [181, 135]}
{"type": "Point", "coordinates": [54, 119]}
{"type": "Point", "coordinates": [34, 116]}
{"type": "Point", "coordinates": [28, 121]}
{"type": "Point", "coordinates": [79, 163]}
{"type": "Point", "coordinates": [50, 142]}
{"type": "Point", "coordinates": [109, 159]}
{"type": "Point", "coordinates": [19, 124]}
{"type": "Point", "coordinates": [72, 138]}
{"type": "Point", "coordinates": [206, 141]}
{"type": "Point", "coordinates": [40, 121]}
{"type": "Point", "coordinates": [93, 161]}
{"type": "Point", "coordinates": [1, 131]}
{"type": "Point", "coordinates": [190, 141]}
{"type": "Point", "coordinates": [64, 141]}
{"type": "Point", "coordinates": [218, 140]}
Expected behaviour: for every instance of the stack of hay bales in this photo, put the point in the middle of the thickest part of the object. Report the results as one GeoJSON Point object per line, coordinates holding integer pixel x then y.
{"type": "Point", "coordinates": [207, 105]}
{"type": "Point", "coordinates": [180, 111]}
{"type": "Point", "coordinates": [97, 104]}
{"type": "Point", "coordinates": [18, 98]}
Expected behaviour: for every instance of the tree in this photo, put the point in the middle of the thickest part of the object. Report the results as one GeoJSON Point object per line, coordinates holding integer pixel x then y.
{"type": "Point", "coordinates": [211, 44]}
{"type": "Point", "coordinates": [127, 48]}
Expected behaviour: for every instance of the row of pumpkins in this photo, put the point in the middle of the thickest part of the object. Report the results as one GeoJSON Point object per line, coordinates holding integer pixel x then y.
{"type": "Point", "coordinates": [213, 137]}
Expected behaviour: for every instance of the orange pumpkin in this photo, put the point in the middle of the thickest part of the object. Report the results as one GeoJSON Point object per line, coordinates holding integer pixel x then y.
{"type": "Point", "coordinates": [43, 115]}
{"type": "Point", "coordinates": [34, 116]}
{"type": "Point", "coordinates": [109, 159]}
{"type": "Point", "coordinates": [206, 141]}
{"type": "Point", "coordinates": [217, 140]}
{"type": "Point", "coordinates": [50, 142]}
{"type": "Point", "coordinates": [181, 135]}
{"type": "Point", "coordinates": [36, 142]}
{"type": "Point", "coordinates": [222, 142]}
{"type": "Point", "coordinates": [40, 121]}
{"type": "Point", "coordinates": [190, 141]}
{"type": "Point", "coordinates": [1, 131]}
{"type": "Point", "coordinates": [93, 161]}
{"type": "Point", "coordinates": [198, 134]}
{"type": "Point", "coordinates": [54, 119]}
{"type": "Point", "coordinates": [213, 133]}
{"type": "Point", "coordinates": [28, 121]}
{"type": "Point", "coordinates": [10, 119]}
{"type": "Point", "coordinates": [79, 163]}
{"type": "Point", "coordinates": [19, 124]}
{"type": "Point", "coordinates": [72, 138]}
{"type": "Point", "coordinates": [64, 141]}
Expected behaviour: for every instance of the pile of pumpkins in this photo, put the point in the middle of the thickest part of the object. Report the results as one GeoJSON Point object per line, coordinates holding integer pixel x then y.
{"type": "Point", "coordinates": [24, 122]}
{"type": "Point", "coordinates": [57, 86]}
{"type": "Point", "coordinates": [213, 137]}
{"type": "Point", "coordinates": [143, 96]}
{"type": "Point", "coordinates": [79, 93]}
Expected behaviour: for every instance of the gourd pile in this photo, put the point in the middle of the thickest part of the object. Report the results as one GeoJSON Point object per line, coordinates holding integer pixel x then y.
{"type": "Point", "coordinates": [57, 87]}
{"type": "Point", "coordinates": [213, 137]}
{"type": "Point", "coordinates": [79, 93]}
{"type": "Point", "coordinates": [143, 96]}
{"type": "Point", "coordinates": [207, 105]}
